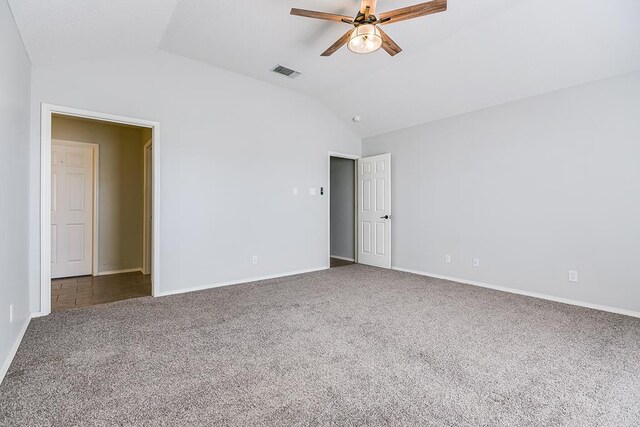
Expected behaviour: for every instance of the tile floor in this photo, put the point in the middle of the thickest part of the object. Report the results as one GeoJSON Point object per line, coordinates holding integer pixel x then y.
{"type": "Point", "coordinates": [73, 292]}
{"type": "Point", "coordinates": [335, 262]}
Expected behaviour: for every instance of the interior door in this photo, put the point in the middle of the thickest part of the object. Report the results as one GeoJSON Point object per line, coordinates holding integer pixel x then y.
{"type": "Point", "coordinates": [374, 210]}
{"type": "Point", "coordinates": [71, 211]}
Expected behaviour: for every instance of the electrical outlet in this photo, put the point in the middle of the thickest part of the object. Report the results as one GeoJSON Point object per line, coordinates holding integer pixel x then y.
{"type": "Point", "coordinates": [447, 259]}
{"type": "Point", "coordinates": [11, 313]}
{"type": "Point", "coordinates": [476, 262]}
{"type": "Point", "coordinates": [312, 191]}
{"type": "Point", "coordinates": [295, 191]}
{"type": "Point", "coordinates": [573, 276]}
{"type": "Point", "coordinates": [254, 259]}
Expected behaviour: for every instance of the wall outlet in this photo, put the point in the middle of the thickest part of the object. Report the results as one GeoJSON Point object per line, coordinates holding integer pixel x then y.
{"type": "Point", "coordinates": [573, 276]}
{"type": "Point", "coordinates": [11, 313]}
{"type": "Point", "coordinates": [312, 191]}
{"type": "Point", "coordinates": [475, 262]}
{"type": "Point", "coordinates": [254, 259]}
{"type": "Point", "coordinates": [447, 259]}
{"type": "Point", "coordinates": [295, 191]}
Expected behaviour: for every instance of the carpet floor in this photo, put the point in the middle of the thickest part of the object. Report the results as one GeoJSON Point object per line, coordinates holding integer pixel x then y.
{"type": "Point", "coordinates": [354, 345]}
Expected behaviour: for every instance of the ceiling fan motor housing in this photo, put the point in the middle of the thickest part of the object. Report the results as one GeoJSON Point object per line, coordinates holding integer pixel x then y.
{"type": "Point", "coordinates": [362, 20]}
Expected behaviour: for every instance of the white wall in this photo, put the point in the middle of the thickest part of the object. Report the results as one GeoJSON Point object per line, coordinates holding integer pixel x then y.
{"type": "Point", "coordinates": [120, 189]}
{"type": "Point", "coordinates": [14, 184]}
{"type": "Point", "coordinates": [232, 149]}
{"type": "Point", "coordinates": [342, 211]}
{"type": "Point", "coordinates": [533, 188]}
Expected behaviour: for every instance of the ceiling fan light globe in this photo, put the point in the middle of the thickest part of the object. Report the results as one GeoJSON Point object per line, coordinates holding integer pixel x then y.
{"type": "Point", "coordinates": [365, 39]}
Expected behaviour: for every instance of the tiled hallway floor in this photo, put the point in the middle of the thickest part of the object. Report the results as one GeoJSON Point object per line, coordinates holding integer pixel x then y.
{"type": "Point", "coordinates": [335, 262]}
{"type": "Point", "coordinates": [72, 292]}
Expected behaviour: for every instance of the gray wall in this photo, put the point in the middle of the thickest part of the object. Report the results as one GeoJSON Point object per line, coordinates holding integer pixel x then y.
{"type": "Point", "coordinates": [342, 207]}
{"type": "Point", "coordinates": [231, 151]}
{"type": "Point", "coordinates": [120, 201]}
{"type": "Point", "coordinates": [15, 73]}
{"type": "Point", "coordinates": [533, 188]}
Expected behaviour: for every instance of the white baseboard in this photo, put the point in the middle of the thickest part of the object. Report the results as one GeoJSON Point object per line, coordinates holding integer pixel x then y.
{"type": "Point", "coordinates": [39, 314]}
{"type": "Point", "coordinates": [126, 270]}
{"type": "Point", "coordinates": [342, 258]}
{"type": "Point", "coordinates": [525, 293]}
{"type": "Point", "coordinates": [237, 282]}
{"type": "Point", "coordinates": [14, 349]}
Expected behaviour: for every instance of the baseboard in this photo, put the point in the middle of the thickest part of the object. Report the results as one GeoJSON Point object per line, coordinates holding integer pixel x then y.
{"type": "Point", "coordinates": [39, 314]}
{"type": "Point", "coordinates": [14, 349]}
{"type": "Point", "coordinates": [342, 258]}
{"type": "Point", "coordinates": [525, 293]}
{"type": "Point", "coordinates": [237, 282]}
{"type": "Point", "coordinates": [126, 270]}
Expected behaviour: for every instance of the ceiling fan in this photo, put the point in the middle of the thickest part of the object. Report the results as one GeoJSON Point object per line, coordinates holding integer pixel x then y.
{"type": "Point", "coordinates": [367, 36]}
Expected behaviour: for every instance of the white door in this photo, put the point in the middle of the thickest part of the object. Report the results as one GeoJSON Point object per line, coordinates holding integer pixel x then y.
{"type": "Point", "coordinates": [374, 210]}
{"type": "Point", "coordinates": [71, 211]}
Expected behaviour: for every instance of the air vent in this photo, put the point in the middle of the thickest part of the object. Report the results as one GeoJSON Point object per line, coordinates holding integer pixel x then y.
{"type": "Point", "coordinates": [292, 74]}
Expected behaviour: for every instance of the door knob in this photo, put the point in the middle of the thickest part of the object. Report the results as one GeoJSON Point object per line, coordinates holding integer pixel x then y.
{"type": "Point", "coordinates": [384, 217]}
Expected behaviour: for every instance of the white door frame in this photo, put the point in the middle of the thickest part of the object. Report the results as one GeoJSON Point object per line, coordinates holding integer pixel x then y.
{"type": "Point", "coordinates": [94, 203]}
{"type": "Point", "coordinates": [47, 110]}
{"type": "Point", "coordinates": [355, 158]}
{"type": "Point", "coordinates": [146, 238]}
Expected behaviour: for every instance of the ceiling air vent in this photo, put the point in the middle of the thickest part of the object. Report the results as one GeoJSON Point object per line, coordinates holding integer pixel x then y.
{"type": "Point", "coordinates": [292, 74]}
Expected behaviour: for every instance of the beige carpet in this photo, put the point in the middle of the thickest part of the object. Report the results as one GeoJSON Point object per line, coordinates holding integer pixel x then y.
{"type": "Point", "coordinates": [348, 346]}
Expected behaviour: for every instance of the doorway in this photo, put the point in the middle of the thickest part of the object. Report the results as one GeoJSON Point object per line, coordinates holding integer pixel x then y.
{"type": "Point", "coordinates": [99, 236]}
{"type": "Point", "coordinates": [342, 210]}
{"type": "Point", "coordinates": [371, 200]}
{"type": "Point", "coordinates": [99, 211]}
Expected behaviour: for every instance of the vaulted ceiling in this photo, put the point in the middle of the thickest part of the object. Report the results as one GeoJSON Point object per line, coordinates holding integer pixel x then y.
{"type": "Point", "coordinates": [476, 54]}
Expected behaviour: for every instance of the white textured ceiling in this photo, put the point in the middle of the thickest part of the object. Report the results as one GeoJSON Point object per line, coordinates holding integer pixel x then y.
{"type": "Point", "coordinates": [70, 30]}
{"type": "Point", "coordinates": [476, 54]}
{"type": "Point", "coordinates": [535, 47]}
{"type": "Point", "coordinates": [251, 37]}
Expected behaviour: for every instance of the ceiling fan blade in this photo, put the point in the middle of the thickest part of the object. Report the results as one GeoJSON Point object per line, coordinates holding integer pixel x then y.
{"type": "Point", "coordinates": [337, 45]}
{"type": "Point", "coordinates": [414, 11]}
{"type": "Point", "coordinates": [388, 44]}
{"type": "Point", "coordinates": [371, 4]}
{"type": "Point", "coordinates": [320, 15]}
